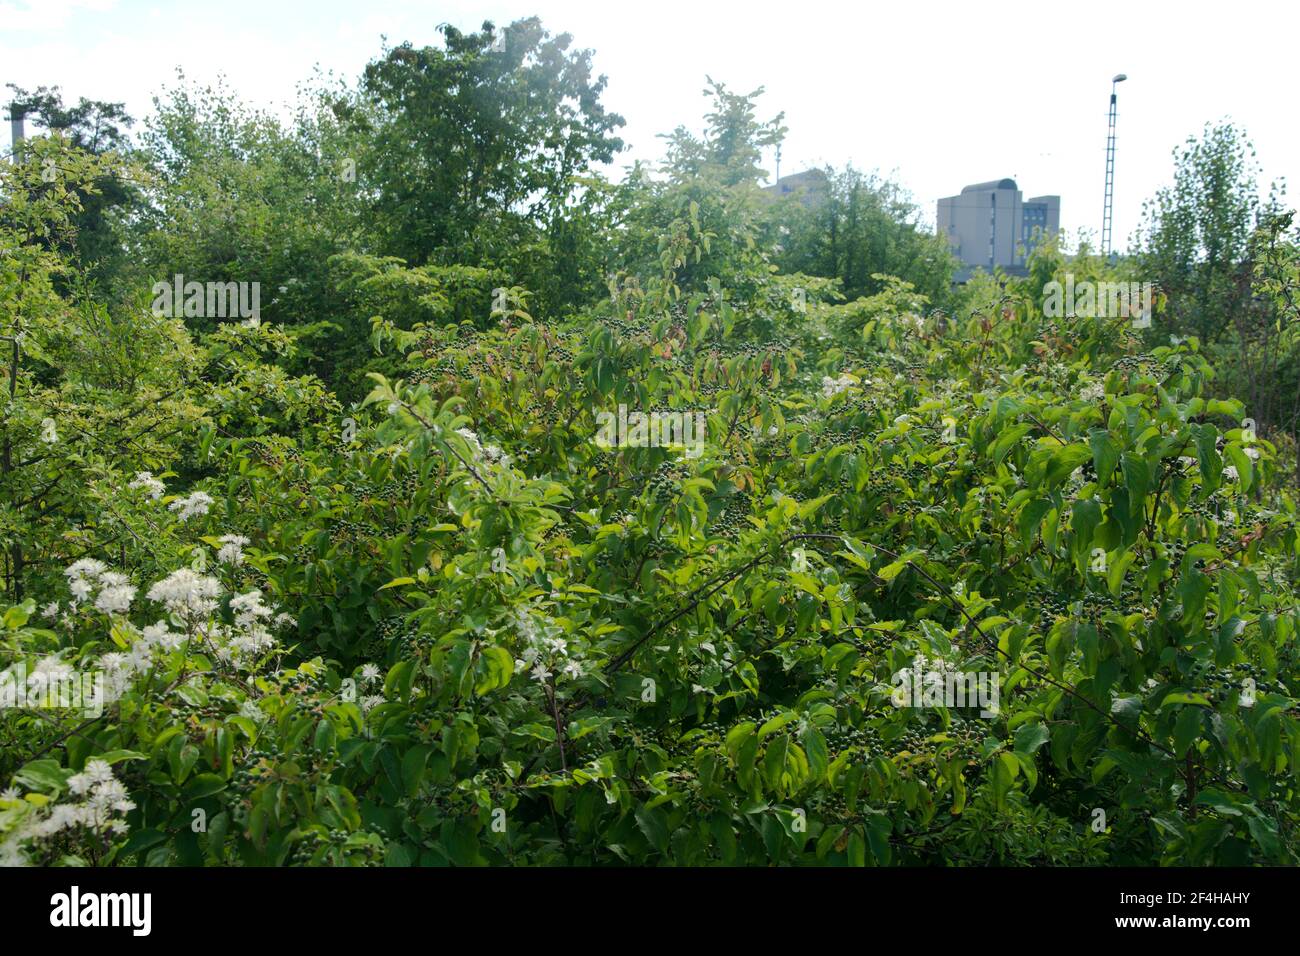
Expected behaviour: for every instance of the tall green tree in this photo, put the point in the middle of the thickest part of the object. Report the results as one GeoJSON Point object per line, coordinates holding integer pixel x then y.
{"type": "Point", "coordinates": [861, 228]}
{"type": "Point", "coordinates": [95, 127]}
{"type": "Point", "coordinates": [473, 148]}
{"type": "Point", "coordinates": [1196, 232]}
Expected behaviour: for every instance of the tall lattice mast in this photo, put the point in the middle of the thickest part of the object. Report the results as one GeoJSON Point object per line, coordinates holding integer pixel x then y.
{"type": "Point", "coordinates": [1108, 212]}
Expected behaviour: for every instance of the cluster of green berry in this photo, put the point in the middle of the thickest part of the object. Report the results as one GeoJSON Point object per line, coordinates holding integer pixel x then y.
{"type": "Point", "coordinates": [664, 482]}
{"type": "Point", "coordinates": [733, 518]}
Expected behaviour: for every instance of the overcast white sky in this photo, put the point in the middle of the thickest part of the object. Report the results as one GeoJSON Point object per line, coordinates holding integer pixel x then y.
{"type": "Point", "coordinates": [938, 94]}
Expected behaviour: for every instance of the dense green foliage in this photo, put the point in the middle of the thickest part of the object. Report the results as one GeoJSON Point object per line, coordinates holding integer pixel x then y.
{"type": "Point", "coordinates": [362, 586]}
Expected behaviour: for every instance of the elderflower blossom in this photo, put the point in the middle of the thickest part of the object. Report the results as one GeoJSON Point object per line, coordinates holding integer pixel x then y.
{"type": "Point", "coordinates": [232, 549]}
{"type": "Point", "coordinates": [196, 504]}
{"type": "Point", "coordinates": [152, 486]}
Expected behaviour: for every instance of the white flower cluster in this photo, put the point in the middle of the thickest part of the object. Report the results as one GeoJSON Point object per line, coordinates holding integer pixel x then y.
{"type": "Point", "coordinates": [833, 386]}
{"type": "Point", "coordinates": [1093, 392]}
{"type": "Point", "coordinates": [41, 685]}
{"type": "Point", "coordinates": [186, 594]}
{"type": "Point", "coordinates": [152, 486]}
{"type": "Point", "coordinates": [926, 666]}
{"type": "Point", "coordinates": [197, 503]}
{"type": "Point", "coordinates": [232, 549]}
{"type": "Point", "coordinates": [484, 454]}
{"type": "Point", "coordinates": [190, 599]}
{"type": "Point", "coordinates": [546, 652]}
{"type": "Point", "coordinates": [85, 577]}
{"type": "Point", "coordinates": [100, 806]}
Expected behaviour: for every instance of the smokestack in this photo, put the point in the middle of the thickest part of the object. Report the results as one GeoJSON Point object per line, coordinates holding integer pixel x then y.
{"type": "Point", "coordinates": [16, 117]}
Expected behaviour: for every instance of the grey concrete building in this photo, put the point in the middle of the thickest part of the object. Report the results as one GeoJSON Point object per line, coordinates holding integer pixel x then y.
{"type": "Point", "coordinates": [989, 225]}
{"type": "Point", "coordinates": [811, 187]}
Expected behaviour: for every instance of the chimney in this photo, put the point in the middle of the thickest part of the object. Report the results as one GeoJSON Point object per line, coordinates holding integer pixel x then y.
{"type": "Point", "coordinates": [16, 117]}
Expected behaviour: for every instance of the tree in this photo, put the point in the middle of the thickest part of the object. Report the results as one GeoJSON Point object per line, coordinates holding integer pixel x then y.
{"type": "Point", "coordinates": [862, 227]}
{"type": "Point", "coordinates": [97, 128]}
{"type": "Point", "coordinates": [472, 148]}
{"type": "Point", "coordinates": [1195, 233]}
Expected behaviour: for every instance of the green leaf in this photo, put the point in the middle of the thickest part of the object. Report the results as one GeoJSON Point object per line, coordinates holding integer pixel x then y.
{"type": "Point", "coordinates": [493, 670]}
{"type": "Point", "coordinates": [1029, 737]}
{"type": "Point", "coordinates": [1105, 454]}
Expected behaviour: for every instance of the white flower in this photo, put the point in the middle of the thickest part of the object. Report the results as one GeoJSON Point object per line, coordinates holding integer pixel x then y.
{"type": "Point", "coordinates": [116, 599]}
{"type": "Point", "coordinates": [160, 636]}
{"type": "Point", "coordinates": [184, 592]}
{"type": "Point", "coordinates": [369, 674]}
{"type": "Point", "coordinates": [232, 549]}
{"type": "Point", "coordinates": [50, 611]}
{"type": "Point", "coordinates": [196, 504]}
{"type": "Point", "coordinates": [573, 669]}
{"type": "Point", "coordinates": [374, 700]}
{"type": "Point", "coordinates": [85, 568]}
{"type": "Point", "coordinates": [284, 619]}
{"type": "Point", "coordinates": [540, 673]}
{"type": "Point", "coordinates": [248, 608]}
{"type": "Point", "coordinates": [1230, 473]}
{"type": "Point", "coordinates": [153, 487]}
{"type": "Point", "coordinates": [833, 386]}
{"type": "Point", "coordinates": [80, 589]}
{"type": "Point", "coordinates": [96, 772]}
{"type": "Point", "coordinates": [527, 627]}
{"type": "Point", "coordinates": [1093, 392]}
